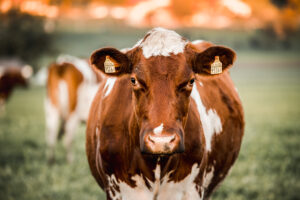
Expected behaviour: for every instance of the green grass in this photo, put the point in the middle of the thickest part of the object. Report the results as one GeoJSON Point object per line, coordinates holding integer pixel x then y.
{"type": "Point", "coordinates": [24, 173]}
{"type": "Point", "coordinates": [268, 166]}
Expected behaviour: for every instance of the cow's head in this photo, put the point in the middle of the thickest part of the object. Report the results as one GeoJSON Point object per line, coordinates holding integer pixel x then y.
{"type": "Point", "coordinates": [162, 70]}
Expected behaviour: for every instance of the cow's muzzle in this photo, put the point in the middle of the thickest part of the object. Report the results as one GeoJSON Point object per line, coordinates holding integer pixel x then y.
{"type": "Point", "coordinates": [165, 143]}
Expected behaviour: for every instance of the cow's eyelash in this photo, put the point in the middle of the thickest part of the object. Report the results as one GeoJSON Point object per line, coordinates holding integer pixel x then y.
{"type": "Point", "coordinates": [182, 85]}
{"type": "Point", "coordinates": [142, 83]}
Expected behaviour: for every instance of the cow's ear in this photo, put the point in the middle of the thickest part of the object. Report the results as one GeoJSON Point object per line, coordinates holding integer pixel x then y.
{"type": "Point", "coordinates": [110, 61]}
{"type": "Point", "coordinates": [214, 60]}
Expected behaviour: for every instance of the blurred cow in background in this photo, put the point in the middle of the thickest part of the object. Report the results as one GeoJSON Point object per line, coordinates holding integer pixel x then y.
{"type": "Point", "coordinates": [12, 73]}
{"type": "Point", "coordinates": [71, 87]}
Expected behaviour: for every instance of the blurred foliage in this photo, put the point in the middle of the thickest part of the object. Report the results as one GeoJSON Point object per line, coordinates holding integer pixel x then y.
{"type": "Point", "coordinates": [69, 2]}
{"type": "Point", "coordinates": [23, 36]}
{"type": "Point", "coordinates": [114, 2]}
{"type": "Point", "coordinates": [183, 8]}
{"type": "Point", "coordinates": [280, 3]}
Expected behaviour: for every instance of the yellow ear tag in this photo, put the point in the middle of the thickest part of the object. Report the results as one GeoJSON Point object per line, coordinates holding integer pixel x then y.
{"type": "Point", "coordinates": [216, 66]}
{"type": "Point", "coordinates": [109, 66]}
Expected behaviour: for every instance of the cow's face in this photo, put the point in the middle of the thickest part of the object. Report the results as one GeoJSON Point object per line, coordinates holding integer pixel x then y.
{"type": "Point", "coordinates": [161, 86]}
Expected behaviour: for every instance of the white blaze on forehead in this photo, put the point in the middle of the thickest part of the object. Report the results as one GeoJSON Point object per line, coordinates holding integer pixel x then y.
{"type": "Point", "coordinates": [197, 41]}
{"type": "Point", "coordinates": [110, 82]}
{"type": "Point", "coordinates": [161, 42]}
{"type": "Point", "coordinates": [210, 120]}
{"type": "Point", "coordinates": [158, 129]}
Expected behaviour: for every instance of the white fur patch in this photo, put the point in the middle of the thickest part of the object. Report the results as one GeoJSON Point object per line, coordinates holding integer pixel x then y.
{"type": "Point", "coordinates": [109, 85]}
{"type": "Point", "coordinates": [158, 129]}
{"type": "Point", "coordinates": [161, 189]}
{"type": "Point", "coordinates": [52, 121]}
{"type": "Point", "coordinates": [125, 50]}
{"type": "Point", "coordinates": [182, 190]}
{"type": "Point", "coordinates": [27, 71]}
{"type": "Point", "coordinates": [162, 42]}
{"type": "Point", "coordinates": [85, 95]}
{"type": "Point", "coordinates": [70, 126]}
{"type": "Point", "coordinates": [208, 178]}
{"type": "Point", "coordinates": [81, 64]}
{"type": "Point", "coordinates": [197, 41]}
{"type": "Point", "coordinates": [210, 120]}
{"type": "Point", "coordinates": [63, 98]}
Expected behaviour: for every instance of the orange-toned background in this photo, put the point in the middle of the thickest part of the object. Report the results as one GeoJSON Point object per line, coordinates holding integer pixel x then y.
{"type": "Point", "coordinates": [281, 15]}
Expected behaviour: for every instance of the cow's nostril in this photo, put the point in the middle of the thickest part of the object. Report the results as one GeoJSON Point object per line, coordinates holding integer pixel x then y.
{"type": "Point", "coordinates": [151, 139]}
{"type": "Point", "coordinates": [173, 139]}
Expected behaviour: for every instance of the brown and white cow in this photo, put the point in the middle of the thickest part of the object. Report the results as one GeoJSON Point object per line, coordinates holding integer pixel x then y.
{"type": "Point", "coordinates": [12, 74]}
{"type": "Point", "coordinates": [71, 86]}
{"type": "Point", "coordinates": [162, 127]}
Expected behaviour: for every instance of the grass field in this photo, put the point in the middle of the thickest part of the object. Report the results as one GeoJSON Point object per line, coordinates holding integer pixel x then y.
{"type": "Point", "coordinates": [268, 166]}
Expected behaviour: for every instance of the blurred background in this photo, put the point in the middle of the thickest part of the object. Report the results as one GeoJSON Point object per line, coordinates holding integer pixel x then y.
{"type": "Point", "coordinates": [264, 33]}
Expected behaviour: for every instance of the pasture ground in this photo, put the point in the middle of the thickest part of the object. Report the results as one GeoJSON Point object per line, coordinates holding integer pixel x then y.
{"type": "Point", "coordinates": [268, 167]}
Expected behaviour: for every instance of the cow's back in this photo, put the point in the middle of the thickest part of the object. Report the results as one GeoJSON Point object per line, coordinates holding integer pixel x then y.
{"type": "Point", "coordinates": [62, 85]}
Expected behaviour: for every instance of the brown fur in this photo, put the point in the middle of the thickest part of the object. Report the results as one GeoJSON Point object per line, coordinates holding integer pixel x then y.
{"type": "Point", "coordinates": [71, 76]}
{"type": "Point", "coordinates": [10, 78]}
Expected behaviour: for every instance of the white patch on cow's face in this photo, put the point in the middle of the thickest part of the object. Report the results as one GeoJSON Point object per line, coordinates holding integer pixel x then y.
{"type": "Point", "coordinates": [110, 82]}
{"type": "Point", "coordinates": [201, 84]}
{"type": "Point", "coordinates": [80, 64]}
{"type": "Point", "coordinates": [210, 120]}
{"type": "Point", "coordinates": [197, 41]}
{"type": "Point", "coordinates": [63, 98]}
{"type": "Point", "coordinates": [158, 129]}
{"type": "Point", "coordinates": [161, 189]}
{"type": "Point", "coordinates": [162, 42]}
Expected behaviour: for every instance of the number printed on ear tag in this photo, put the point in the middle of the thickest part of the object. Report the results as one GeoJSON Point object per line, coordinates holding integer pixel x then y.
{"type": "Point", "coordinates": [109, 66]}
{"type": "Point", "coordinates": [216, 66]}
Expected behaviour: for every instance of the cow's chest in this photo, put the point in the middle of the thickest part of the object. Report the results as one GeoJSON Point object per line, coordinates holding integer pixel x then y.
{"type": "Point", "coordinates": [160, 189]}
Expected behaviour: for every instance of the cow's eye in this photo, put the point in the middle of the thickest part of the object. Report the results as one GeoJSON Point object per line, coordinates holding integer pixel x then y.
{"type": "Point", "coordinates": [133, 81]}
{"type": "Point", "coordinates": [192, 81]}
